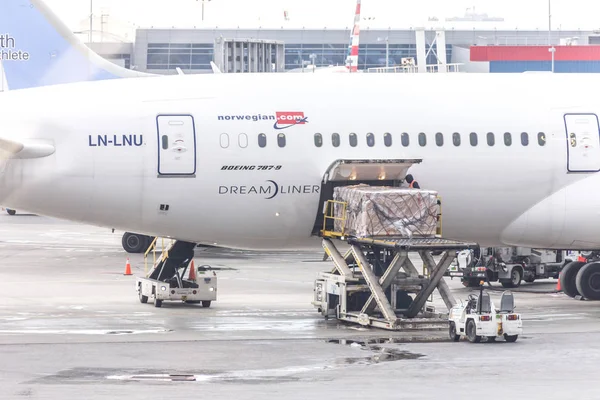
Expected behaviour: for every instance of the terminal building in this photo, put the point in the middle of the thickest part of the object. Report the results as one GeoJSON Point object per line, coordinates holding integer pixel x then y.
{"type": "Point", "coordinates": [161, 51]}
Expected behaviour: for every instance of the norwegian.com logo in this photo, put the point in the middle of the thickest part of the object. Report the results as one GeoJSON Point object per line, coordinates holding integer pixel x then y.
{"type": "Point", "coordinates": [283, 119]}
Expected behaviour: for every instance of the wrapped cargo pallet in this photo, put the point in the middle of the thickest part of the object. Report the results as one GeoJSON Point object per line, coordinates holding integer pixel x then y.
{"type": "Point", "coordinates": [373, 211]}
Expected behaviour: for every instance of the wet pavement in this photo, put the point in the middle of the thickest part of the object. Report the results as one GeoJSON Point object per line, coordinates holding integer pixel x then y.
{"type": "Point", "coordinates": [71, 326]}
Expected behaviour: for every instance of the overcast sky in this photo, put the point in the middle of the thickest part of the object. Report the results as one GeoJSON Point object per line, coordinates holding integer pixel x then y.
{"type": "Point", "coordinates": [522, 14]}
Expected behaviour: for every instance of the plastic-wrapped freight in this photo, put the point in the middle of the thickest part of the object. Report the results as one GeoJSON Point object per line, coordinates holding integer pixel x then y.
{"type": "Point", "coordinates": [386, 211]}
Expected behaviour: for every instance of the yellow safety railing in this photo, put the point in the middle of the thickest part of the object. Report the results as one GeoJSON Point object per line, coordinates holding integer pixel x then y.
{"type": "Point", "coordinates": [152, 248]}
{"type": "Point", "coordinates": [329, 214]}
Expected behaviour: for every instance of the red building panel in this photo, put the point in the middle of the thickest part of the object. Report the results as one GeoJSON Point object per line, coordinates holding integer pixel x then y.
{"type": "Point", "coordinates": [535, 53]}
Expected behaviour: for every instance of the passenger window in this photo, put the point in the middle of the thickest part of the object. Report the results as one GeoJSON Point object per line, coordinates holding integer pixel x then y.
{"type": "Point", "coordinates": [224, 140]}
{"type": "Point", "coordinates": [573, 139]}
{"type": "Point", "coordinates": [405, 139]}
{"type": "Point", "coordinates": [318, 140]}
{"type": "Point", "coordinates": [507, 139]}
{"type": "Point", "coordinates": [353, 140]}
{"type": "Point", "coordinates": [491, 140]}
{"type": "Point", "coordinates": [541, 139]}
{"type": "Point", "coordinates": [387, 139]}
{"type": "Point", "coordinates": [243, 140]}
{"type": "Point", "coordinates": [456, 138]}
{"type": "Point", "coordinates": [165, 142]}
{"type": "Point", "coordinates": [422, 139]}
{"type": "Point", "coordinates": [370, 139]}
{"type": "Point", "coordinates": [262, 140]}
{"type": "Point", "coordinates": [473, 139]}
{"type": "Point", "coordinates": [281, 140]}
{"type": "Point", "coordinates": [439, 139]}
{"type": "Point", "coordinates": [335, 140]}
{"type": "Point", "coordinates": [524, 139]}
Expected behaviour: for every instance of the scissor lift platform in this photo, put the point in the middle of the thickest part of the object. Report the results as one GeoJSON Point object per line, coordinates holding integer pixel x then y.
{"type": "Point", "coordinates": [376, 284]}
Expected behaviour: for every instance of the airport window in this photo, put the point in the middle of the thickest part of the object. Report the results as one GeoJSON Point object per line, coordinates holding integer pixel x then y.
{"type": "Point", "coordinates": [439, 139]}
{"type": "Point", "coordinates": [507, 139]}
{"type": "Point", "coordinates": [524, 139]}
{"type": "Point", "coordinates": [224, 140]}
{"type": "Point", "coordinates": [262, 140]}
{"type": "Point", "coordinates": [335, 140]}
{"type": "Point", "coordinates": [422, 139]}
{"type": "Point", "coordinates": [473, 139]}
{"type": "Point", "coordinates": [541, 139]}
{"type": "Point", "coordinates": [405, 139]}
{"type": "Point", "coordinates": [370, 139]}
{"type": "Point", "coordinates": [165, 142]}
{"type": "Point", "coordinates": [387, 139]}
{"type": "Point", "coordinates": [281, 140]}
{"type": "Point", "coordinates": [491, 140]}
{"type": "Point", "coordinates": [353, 140]}
{"type": "Point", "coordinates": [243, 140]}
{"type": "Point", "coordinates": [318, 140]}
{"type": "Point", "coordinates": [456, 138]}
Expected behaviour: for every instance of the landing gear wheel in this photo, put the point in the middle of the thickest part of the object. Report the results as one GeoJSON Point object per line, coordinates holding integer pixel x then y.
{"type": "Point", "coordinates": [11, 212]}
{"type": "Point", "coordinates": [157, 303]}
{"type": "Point", "coordinates": [510, 339]}
{"type": "Point", "coordinates": [472, 332]}
{"type": "Point", "coordinates": [133, 243]}
{"type": "Point", "coordinates": [206, 304]}
{"type": "Point", "coordinates": [568, 277]}
{"type": "Point", "coordinates": [516, 275]}
{"type": "Point", "coordinates": [143, 299]}
{"type": "Point", "coordinates": [452, 333]}
{"type": "Point", "coordinates": [587, 281]}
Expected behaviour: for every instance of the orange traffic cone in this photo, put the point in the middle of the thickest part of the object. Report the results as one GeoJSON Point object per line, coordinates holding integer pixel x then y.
{"type": "Point", "coordinates": [558, 288]}
{"type": "Point", "coordinates": [127, 268]}
{"type": "Point", "coordinates": [192, 272]}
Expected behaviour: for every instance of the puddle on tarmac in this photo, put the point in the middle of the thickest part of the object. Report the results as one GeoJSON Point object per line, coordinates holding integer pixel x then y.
{"type": "Point", "coordinates": [382, 354]}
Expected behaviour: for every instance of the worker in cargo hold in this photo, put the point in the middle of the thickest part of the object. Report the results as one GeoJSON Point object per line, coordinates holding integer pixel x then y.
{"type": "Point", "coordinates": [412, 184]}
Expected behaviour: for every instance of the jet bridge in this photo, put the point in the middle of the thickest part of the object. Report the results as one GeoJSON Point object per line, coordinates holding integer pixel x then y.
{"type": "Point", "coordinates": [373, 281]}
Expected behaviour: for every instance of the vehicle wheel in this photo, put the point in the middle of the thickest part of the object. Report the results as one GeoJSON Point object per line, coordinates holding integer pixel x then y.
{"type": "Point", "coordinates": [472, 332]}
{"type": "Point", "coordinates": [133, 243]}
{"type": "Point", "coordinates": [143, 299]}
{"type": "Point", "coordinates": [157, 303]}
{"type": "Point", "coordinates": [471, 283]}
{"type": "Point", "coordinates": [568, 277]}
{"type": "Point", "coordinates": [11, 212]}
{"type": "Point", "coordinates": [452, 333]}
{"type": "Point", "coordinates": [206, 304]}
{"type": "Point", "coordinates": [516, 275]}
{"type": "Point", "coordinates": [587, 281]}
{"type": "Point", "coordinates": [510, 339]}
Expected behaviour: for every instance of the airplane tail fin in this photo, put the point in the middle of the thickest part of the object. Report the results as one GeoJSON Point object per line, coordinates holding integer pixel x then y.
{"type": "Point", "coordinates": [37, 49]}
{"type": "Point", "coordinates": [352, 59]}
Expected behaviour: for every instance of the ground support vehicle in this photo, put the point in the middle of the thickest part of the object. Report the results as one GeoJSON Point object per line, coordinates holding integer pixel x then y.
{"type": "Point", "coordinates": [509, 266]}
{"type": "Point", "coordinates": [166, 281]}
{"type": "Point", "coordinates": [479, 319]}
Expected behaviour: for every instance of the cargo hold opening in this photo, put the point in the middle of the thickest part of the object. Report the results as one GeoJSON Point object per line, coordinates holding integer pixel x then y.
{"type": "Point", "coordinates": [355, 172]}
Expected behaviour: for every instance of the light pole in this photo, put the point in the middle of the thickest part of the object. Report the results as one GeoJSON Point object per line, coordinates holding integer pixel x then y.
{"type": "Point", "coordinates": [203, 1]}
{"type": "Point", "coordinates": [552, 50]}
{"type": "Point", "coordinates": [387, 50]}
{"type": "Point", "coordinates": [91, 19]}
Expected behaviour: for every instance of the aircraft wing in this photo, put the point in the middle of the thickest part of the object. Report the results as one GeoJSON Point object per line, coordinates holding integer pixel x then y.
{"type": "Point", "coordinates": [30, 148]}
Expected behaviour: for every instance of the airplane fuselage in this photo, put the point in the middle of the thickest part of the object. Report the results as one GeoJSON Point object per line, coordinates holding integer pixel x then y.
{"type": "Point", "coordinates": [184, 156]}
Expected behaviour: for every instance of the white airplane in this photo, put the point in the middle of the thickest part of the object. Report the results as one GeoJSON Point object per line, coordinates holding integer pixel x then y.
{"type": "Point", "coordinates": [246, 161]}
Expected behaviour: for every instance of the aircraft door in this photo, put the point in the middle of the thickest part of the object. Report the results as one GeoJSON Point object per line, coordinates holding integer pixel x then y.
{"type": "Point", "coordinates": [583, 142]}
{"type": "Point", "coordinates": [176, 145]}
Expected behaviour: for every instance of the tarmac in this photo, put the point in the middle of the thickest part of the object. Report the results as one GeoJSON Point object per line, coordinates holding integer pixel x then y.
{"type": "Point", "coordinates": [72, 327]}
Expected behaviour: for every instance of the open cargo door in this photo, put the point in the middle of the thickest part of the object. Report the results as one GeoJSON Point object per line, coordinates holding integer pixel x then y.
{"type": "Point", "coordinates": [354, 172]}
